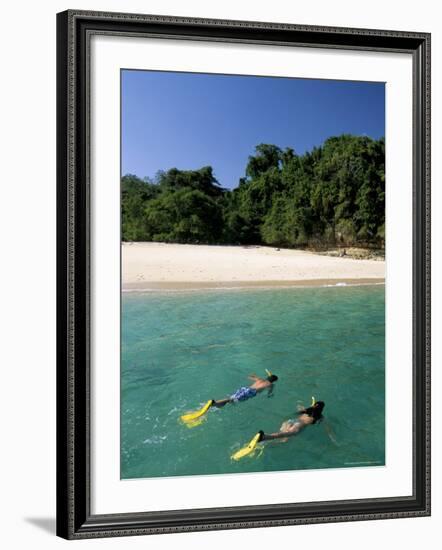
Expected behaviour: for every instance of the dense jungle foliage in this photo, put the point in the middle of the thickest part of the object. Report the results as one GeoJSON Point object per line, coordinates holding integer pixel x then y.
{"type": "Point", "coordinates": [333, 195]}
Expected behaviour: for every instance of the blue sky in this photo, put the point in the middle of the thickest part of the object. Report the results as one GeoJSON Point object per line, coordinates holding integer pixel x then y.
{"type": "Point", "coordinates": [187, 121]}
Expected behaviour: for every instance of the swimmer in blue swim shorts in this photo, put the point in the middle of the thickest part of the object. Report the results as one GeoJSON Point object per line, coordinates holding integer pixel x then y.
{"type": "Point", "coordinates": [247, 392]}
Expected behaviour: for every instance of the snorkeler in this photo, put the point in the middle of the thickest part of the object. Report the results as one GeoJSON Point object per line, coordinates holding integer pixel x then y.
{"type": "Point", "coordinates": [242, 394]}
{"type": "Point", "coordinates": [306, 417]}
{"type": "Point", "coordinates": [247, 392]}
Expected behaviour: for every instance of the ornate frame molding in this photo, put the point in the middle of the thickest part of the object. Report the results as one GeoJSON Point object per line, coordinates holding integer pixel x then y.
{"type": "Point", "coordinates": [74, 29]}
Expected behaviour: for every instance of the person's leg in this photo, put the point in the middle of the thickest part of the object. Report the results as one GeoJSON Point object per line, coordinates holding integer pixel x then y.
{"type": "Point", "coordinates": [234, 398]}
{"type": "Point", "coordinates": [221, 402]}
{"type": "Point", "coordinates": [277, 435]}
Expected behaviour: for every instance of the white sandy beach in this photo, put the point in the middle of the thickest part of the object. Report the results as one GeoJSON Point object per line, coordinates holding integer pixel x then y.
{"type": "Point", "coordinates": [180, 266]}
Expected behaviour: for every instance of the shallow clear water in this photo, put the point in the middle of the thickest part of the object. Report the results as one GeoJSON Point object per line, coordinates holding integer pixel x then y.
{"type": "Point", "coordinates": [181, 349]}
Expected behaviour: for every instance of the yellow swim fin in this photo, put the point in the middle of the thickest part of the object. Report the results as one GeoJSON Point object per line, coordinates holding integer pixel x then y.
{"type": "Point", "coordinates": [249, 448]}
{"type": "Point", "coordinates": [190, 417]}
{"type": "Point", "coordinates": [194, 423]}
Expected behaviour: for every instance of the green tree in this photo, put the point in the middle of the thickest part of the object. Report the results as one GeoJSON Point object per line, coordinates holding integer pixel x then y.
{"type": "Point", "coordinates": [135, 194]}
{"type": "Point", "coordinates": [184, 216]}
{"type": "Point", "coordinates": [332, 195]}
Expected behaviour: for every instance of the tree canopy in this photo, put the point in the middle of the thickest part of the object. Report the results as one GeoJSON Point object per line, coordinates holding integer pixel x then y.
{"type": "Point", "coordinates": [332, 195]}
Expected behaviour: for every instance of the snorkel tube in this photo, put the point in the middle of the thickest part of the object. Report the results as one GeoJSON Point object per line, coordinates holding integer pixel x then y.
{"type": "Point", "coordinates": [305, 410]}
{"type": "Point", "coordinates": [317, 408]}
{"type": "Point", "coordinates": [270, 376]}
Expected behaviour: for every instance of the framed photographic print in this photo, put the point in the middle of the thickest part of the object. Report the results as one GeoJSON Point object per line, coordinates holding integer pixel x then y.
{"type": "Point", "coordinates": [243, 274]}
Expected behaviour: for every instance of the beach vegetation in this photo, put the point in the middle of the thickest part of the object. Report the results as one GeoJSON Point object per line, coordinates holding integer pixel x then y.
{"type": "Point", "coordinates": [333, 195]}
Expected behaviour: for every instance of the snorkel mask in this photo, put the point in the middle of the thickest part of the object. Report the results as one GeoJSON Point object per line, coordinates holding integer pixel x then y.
{"type": "Point", "coordinates": [318, 407]}
{"type": "Point", "coordinates": [271, 377]}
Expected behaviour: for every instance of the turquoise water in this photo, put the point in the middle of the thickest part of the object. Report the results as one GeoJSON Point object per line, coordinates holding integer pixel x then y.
{"type": "Point", "coordinates": [181, 349]}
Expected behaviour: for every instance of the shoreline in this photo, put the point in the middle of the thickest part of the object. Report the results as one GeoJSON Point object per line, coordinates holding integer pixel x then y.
{"type": "Point", "coordinates": [160, 266]}
{"type": "Point", "coordinates": [183, 286]}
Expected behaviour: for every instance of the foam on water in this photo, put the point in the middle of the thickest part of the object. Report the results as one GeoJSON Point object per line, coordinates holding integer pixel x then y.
{"type": "Point", "coordinates": [244, 288]}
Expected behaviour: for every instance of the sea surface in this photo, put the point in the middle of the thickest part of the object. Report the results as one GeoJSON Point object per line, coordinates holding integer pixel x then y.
{"type": "Point", "coordinates": [180, 349]}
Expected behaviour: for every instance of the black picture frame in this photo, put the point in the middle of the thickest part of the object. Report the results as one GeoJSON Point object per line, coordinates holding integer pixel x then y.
{"type": "Point", "coordinates": [74, 518]}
